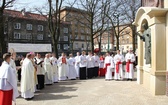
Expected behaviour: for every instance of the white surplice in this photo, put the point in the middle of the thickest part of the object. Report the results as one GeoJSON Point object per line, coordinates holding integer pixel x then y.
{"type": "Point", "coordinates": [130, 74]}
{"type": "Point", "coordinates": [8, 79]}
{"type": "Point", "coordinates": [62, 69]}
{"type": "Point", "coordinates": [110, 68]}
{"type": "Point", "coordinates": [72, 72]}
{"type": "Point", "coordinates": [96, 61]}
{"type": "Point", "coordinates": [54, 68]}
{"type": "Point", "coordinates": [77, 61]}
{"type": "Point", "coordinates": [48, 71]}
{"type": "Point", "coordinates": [27, 81]}
{"type": "Point", "coordinates": [13, 65]}
{"type": "Point", "coordinates": [118, 58]}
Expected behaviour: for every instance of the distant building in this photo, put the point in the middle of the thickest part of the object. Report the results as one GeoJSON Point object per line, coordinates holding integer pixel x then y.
{"type": "Point", "coordinates": [79, 31]}
{"type": "Point", "coordinates": [26, 27]}
{"type": "Point", "coordinates": [107, 38]}
{"type": "Point", "coordinates": [125, 39]}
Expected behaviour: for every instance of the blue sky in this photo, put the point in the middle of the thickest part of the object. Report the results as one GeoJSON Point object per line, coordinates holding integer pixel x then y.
{"type": "Point", "coordinates": [28, 4]}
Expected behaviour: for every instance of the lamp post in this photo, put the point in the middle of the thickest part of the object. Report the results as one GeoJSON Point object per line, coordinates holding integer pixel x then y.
{"type": "Point", "coordinates": [108, 36]}
{"type": "Point", "coordinates": [116, 15]}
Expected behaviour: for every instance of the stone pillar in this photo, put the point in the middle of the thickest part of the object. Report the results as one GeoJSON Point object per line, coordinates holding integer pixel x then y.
{"type": "Point", "coordinates": [165, 3]}
{"type": "Point", "coordinates": [167, 51]}
{"type": "Point", "coordinates": [153, 77]}
{"type": "Point", "coordinates": [140, 62]}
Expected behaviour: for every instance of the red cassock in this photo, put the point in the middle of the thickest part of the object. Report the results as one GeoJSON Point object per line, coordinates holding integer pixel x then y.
{"type": "Point", "coordinates": [127, 65]}
{"type": "Point", "coordinates": [102, 70]}
{"type": "Point", "coordinates": [6, 97]}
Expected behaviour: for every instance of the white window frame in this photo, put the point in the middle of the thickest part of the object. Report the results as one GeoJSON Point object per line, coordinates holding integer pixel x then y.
{"type": "Point", "coordinates": [29, 26]}
{"type": "Point", "coordinates": [58, 46]}
{"type": "Point", "coordinates": [28, 36]}
{"type": "Point", "coordinates": [65, 47]}
{"type": "Point", "coordinates": [65, 30]}
{"type": "Point", "coordinates": [40, 27]}
{"type": "Point", "coordinates": [77, 37]}
{"type": "Point", "coordinates": [82, 31]}
{"type": "Point", "coordinates": [82, 45]}
{"type": "Point", "coordinates": [16, 35]}
{"type": "Point", "coordinates": [17, 26]}
{"type": "Point", "coordinates": [88, 37]}
{"type": "Point", "coordinates": [40, 37]}
{"type": "Point", "coordinates": [76, 45]}
{"type": "Point", "coordinates": [82, 37]}
{"type": "Point", "coordinates": [65, 38]}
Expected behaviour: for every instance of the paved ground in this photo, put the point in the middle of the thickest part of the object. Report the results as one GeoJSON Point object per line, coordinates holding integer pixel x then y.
{"type": "Point", "coordinates": [95, 92]}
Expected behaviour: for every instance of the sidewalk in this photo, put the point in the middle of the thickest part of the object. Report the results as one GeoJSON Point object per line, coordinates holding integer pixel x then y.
{"type": "Point", "coordinates": [95, 92]}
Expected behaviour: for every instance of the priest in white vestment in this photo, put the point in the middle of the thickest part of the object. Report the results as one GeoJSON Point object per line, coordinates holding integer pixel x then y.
{"type": "Point", "coordinates": [72, 71]}
{"type": "Point", "coordinates": [8, 82]}
{"type": "Point", "coordinates": [28, 77]}
{"type": "Point", "coordinates": [77, 61]}
{"type": "Point", "coordinates": [54, 68]}
{"type": "Point", "coordinates": [48, 70]}
{"type": "Point", "coordinates": [62, 67]}
{"type": "Point", "coordinates": [118, 60]}
{"type": "Point", "coordinates": [129, 70]}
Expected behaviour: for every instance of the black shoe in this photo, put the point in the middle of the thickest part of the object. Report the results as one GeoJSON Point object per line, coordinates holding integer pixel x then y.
{"type": "Point", "coordinates": [127, 79]}
{"type": "Point", "coordinates": [130, 79]}
{"type": "Point", "coordinates": [28, 99]}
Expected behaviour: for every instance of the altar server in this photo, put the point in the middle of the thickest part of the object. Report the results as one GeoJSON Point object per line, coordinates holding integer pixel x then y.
{"type": "Point", "coordinates": [8, 82]}
{"type": "Point", "coordinates": [82, 65]}
{"type": "Point", "coordinates": [62, 67]}
{"type": "Point", "coordinates": [118, 60]}
{"type": "Point", "coordinates": [72, 71]}
{"type": "Point", "coordinates": [90, 65]}
{"type": "Point", "coordinates": [130, 59]}
{"type": "Point", "coordinates": [77, 59]}
{"type": "Point", "coordinates": [54, 68]}
{"type": "Point", "coordinates": [48, 70]}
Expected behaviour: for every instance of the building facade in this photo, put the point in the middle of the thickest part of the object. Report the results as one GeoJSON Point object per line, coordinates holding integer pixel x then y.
{"type": "Point", "coordinates": [79, 31]}
{"type": "Point", "coordinates": [31, 28]}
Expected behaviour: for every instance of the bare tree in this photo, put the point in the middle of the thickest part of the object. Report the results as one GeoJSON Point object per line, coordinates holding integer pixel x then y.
{"type": "Point", "coordinates": [55, 20]}
{"type": "Point", "coordinates": [95, 17]}
{"type": "Point", "coordinates": [123, 12]}
{"type": "Point", "coordinates": [4, 4]}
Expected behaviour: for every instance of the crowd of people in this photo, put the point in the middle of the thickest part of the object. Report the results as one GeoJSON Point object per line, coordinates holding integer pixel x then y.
{"type": "Point", "coordinates": [34, 72]}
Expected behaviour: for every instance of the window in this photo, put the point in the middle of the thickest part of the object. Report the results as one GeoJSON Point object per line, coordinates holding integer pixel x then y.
{"type": "Point", "coordinates": [58, 46]}
{"type": "Point", "coordinates": [82, 31]}
{"type": "Point", "coordinates": [17, 26]}
{"type": "Point", "coordinates": [40, 37]}
{"type": "Point", "coordinates": [29, 26]}
{"type": "Point", "coordinates": [66, 46]}
{"type": "Point", "coordinates": [65, 38]}
{"type": "Point", "coordinates": [28, 36]}
{"type": "Point", "coordinates": [76, 45]}
{"type": "Point", "coordinates": [66, 30]}
{"type": "Point", "coordinates": [16, 35]}
{"type": "Point", "coordinates": [76, 30]}
{"type": "Point", "coordinates": [82, 37]}
{"type": "Point", "coordinates": [88, 37]}
{"type": "Point", "coordinates": [82, 45]}
{"type": "Point", "coordinates": [76, 37]}
{"type": "Point", "coordinates": [40, 27]}
{"type": "Point", "coordinates": [70, 36]}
